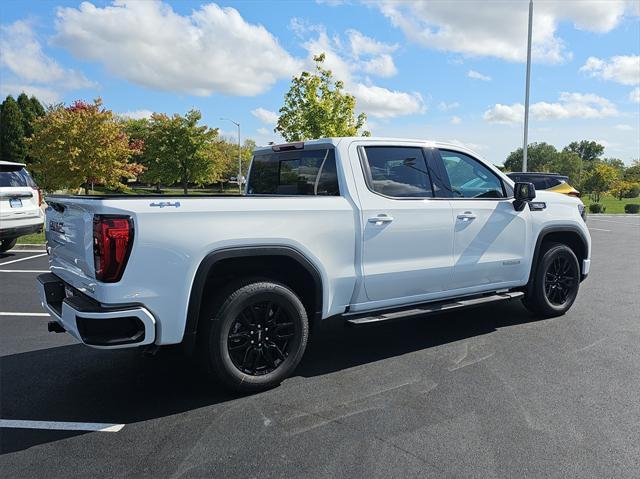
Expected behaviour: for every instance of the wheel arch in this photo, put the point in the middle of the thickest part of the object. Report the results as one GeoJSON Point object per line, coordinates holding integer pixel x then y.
{"type": "Point", "coordinates": [572, 236]}
{"type": "Point", "coordinates": [223, 259]}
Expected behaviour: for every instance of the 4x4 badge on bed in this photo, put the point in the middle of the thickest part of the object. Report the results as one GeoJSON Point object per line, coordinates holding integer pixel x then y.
{"type": "Point", "coordinates": [163, 204]}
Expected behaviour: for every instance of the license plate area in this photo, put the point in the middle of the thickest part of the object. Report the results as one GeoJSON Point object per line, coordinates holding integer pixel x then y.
{"type": "Point", "coordinates": [15, 202]}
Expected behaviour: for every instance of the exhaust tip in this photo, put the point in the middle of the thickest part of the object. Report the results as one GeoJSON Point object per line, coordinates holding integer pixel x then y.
{"type": "Point", "coordinates": [55, 327]}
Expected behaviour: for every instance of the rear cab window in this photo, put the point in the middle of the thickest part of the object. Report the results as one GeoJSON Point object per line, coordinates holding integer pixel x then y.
{"type": "Point", "coordinates": [294, 173]}
{"type": "Point", "coordinates": [15, 176]}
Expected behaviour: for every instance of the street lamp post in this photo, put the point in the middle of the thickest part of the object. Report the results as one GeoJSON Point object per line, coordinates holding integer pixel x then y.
{"type": "Point", "coordinates": [239, 178]}
{"type": "Point", "coordinates": [526, 95]}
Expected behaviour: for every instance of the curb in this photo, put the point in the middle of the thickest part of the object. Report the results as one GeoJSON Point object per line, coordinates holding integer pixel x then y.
{"type": "Point", "coordinates": [23, 246]}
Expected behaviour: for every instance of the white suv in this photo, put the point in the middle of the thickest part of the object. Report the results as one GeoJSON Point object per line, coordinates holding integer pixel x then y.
{"type": "Point", "coordinates": [20, 199]}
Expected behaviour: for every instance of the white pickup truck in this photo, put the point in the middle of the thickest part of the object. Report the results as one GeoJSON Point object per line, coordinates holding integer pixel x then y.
{"type": "Point", "coordinates": [354, 229]}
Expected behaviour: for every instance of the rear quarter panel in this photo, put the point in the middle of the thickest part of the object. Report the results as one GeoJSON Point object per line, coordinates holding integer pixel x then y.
{"type": "Point", "coordinates": [171, 242]}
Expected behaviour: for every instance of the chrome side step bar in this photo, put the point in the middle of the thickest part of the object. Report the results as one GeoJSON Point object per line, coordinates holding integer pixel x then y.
{"type": "Point", "coordinates": [437, 307]}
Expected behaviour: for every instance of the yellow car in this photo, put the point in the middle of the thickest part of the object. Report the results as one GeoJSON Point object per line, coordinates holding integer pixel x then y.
{"type": "Point", "coordinates": [547, 181]}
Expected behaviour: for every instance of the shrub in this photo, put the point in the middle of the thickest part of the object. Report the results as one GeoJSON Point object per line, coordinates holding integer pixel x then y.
{"type": "Point", "coordinates": [597, 208]}
{"type": "Point", "coordinates": [633, 191]}
{"type": "Point", "coordinates": [632, 208]}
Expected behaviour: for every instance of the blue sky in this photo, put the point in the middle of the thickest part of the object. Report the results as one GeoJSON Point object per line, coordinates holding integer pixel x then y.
{"type": "Point", "coordinates": [446, 70]}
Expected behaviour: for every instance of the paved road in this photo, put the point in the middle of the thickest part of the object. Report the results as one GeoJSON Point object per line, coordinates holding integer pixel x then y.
{"type": "Point", "coordinates": [490, 392]}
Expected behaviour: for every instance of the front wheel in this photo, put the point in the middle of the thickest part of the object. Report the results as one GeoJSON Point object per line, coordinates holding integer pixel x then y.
{"type": "Point", "coordinates": [556, 282]}
{"type": "Point", "coordinates": [255, 335]}
{"type": "Point", "coordinates": [7, 244]}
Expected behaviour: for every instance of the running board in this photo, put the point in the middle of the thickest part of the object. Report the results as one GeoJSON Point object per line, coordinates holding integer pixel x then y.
{"type": "Point", "coordinates": [437, 307]}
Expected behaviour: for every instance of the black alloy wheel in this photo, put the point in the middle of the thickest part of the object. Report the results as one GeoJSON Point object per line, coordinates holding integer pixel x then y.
{"type": "Point", "coordinates": [555, 283]}
{"type": "Point", "coordinates": [253, 335]}
{"type": "Point", "coordinates": [259, 338]}
{"type": "Point", "coordinates": [560, 279]}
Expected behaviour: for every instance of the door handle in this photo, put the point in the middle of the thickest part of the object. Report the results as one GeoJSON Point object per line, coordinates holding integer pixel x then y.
{"type": "Point", "coordinates": [380, 219]}
{"type": "Point", "coordinates": [467, 216]}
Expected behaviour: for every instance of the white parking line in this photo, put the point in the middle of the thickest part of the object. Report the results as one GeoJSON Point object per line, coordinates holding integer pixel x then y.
{"type": "Point", "coordinates": [591, 218]}
{"type": "Point", "coordinates": [23, 314]}
{"type": "Point", "coordinates": [590, 229]}
{"type": "Point", "coordinates": [23, 259]}
{"type": "Point", "coordinates": [61, 426]}
{"type": "Point", "coordinates": [24, 271]}
{"type": "Point", "coordinates": [14, 251]}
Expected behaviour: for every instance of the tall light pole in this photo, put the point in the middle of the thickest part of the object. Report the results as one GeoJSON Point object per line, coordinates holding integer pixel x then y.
{"type": "Point", "coordinates": [526, 96]}
{"type": "Point", "coordinates": [239, 178]}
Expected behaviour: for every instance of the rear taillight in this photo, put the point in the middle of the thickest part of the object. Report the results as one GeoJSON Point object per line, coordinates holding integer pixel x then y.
{"type": "Point", "coordinates": [38, 193]}
{"type": "Point", "coordinates": [112, 240]}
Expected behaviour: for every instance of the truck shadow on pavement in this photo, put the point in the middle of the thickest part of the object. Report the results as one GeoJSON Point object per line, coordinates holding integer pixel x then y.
{"type": "Point", "coordinates": [78, 384]}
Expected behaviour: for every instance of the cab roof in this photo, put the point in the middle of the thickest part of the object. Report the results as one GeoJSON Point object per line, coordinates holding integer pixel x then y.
{"type": "Point", "coordinates": [335, 141]}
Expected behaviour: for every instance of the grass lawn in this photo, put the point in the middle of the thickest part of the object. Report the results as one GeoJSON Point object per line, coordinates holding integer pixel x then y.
{"type": "Point", "coordinates": [36, 238]}
{"type": "Point", "coordinates": [612, 205]}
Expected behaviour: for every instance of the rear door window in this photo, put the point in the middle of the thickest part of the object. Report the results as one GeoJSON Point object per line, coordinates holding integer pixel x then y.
{"type": "Point", "coordinates": [398, 171]}
{"type": "Point", "coordinates": [12, 176]}
{"type": "Point", "coordinates": [295, 173]}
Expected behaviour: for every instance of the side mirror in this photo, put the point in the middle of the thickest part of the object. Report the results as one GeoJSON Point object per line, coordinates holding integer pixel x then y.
{"type": "Point", "coordinates": [523, 192]}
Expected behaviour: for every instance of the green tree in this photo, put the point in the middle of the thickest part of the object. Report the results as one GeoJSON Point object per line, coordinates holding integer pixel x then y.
{"type": "Point", "coordinates": [177, 149]}
{"type": "Point", "coordinates": [569, 164]}
{"type": "Point", "coordinates": [12, 144]}
{"type": "Point", "coordinates": [80, 145]}
{"type": "Point", "coordinates": [589, 151]}
{"type": "Point", "coordinates": [632, 173]}
{"type": "Point", "coordinates": [540, 157]}
{"type": "Point", "coordinates": [317, 106]}
{"type": "Point", "coordinates": [30, 109]}
{"type": "Point", "coordinates": [625, 189]}
{"type": "Point", "coordinates": [599, 179]}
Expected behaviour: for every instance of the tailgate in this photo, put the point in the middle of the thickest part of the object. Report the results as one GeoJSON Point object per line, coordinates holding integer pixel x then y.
{"type": "Point", "coordinates": [69, 232]}
{"type": "Point", "coordinates": [18, 202]}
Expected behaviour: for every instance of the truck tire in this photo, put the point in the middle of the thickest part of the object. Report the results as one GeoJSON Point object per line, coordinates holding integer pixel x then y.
{"type": "Point", "coordinates": [7, 244]}
{"type": "Point", "coordinates": [254, 335]}
{"type": "Point", "coordinates": [556, 282]}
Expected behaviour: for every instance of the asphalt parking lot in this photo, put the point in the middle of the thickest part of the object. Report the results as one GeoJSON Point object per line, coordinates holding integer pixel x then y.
{"type": "Point", "coordinates": [489, 392]}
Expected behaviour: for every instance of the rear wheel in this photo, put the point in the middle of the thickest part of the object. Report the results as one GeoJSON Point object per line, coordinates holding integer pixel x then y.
{"type": "Point", "coordinates": [556, 282]}
{"type": "Point", "coordinates": [254, 335]}
{"type": "Point", "coordinates": [7, 244]}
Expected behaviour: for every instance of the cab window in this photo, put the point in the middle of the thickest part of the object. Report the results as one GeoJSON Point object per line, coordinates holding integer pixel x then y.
{"type": "Point", "coordinates": [398, 171]}
{"type": "Point", "coordinates": [468, 178]}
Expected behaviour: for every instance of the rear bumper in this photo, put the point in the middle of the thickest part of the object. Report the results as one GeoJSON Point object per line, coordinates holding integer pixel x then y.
{"type": "Point", "coordinates": [94, 324]}
{"type": "Point", "coordinates": [17, 231]}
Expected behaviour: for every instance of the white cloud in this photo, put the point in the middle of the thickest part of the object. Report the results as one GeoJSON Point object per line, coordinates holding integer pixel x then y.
{"type": "Point", "coordinates": [29, 69]}
{"type": "Point", "coordinates": [44, 94]}
{"type": "Point", "coordinates": [265, 116]}
{"type": "Point", "coordinates": [478, 76]}
{"type": "Point", "coordinates": [499, 28]}
{"type": "Point", "coordinates": [621, 69]}
{"type": "Point", "coordinates": [263, 131]}
{"type": "Point", "coordinates": [624, 127]}
{"type": "Point", "coordinates": [456, 120]}
{"type": "Point", "coordinates": [634, 96]}
{"type": "Point", "coordinates": [212, 50]}
{"type": "Point", "coordinates": [444, 106]}
{"type": "Point", "coordinates": [136, 114]}
{"type": "Point", "coordinates": [570, 105]}
{"type": "Point", "coordinates": [363, 45]}
{"type": "Point", "coordinates": [500, 113]}
{"type": "Point", "coordinates": [384, 103]}
{"type": "Point", "coordinates": [381, 66]}
{"type": "Point", "coordinates": [374, 100]}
